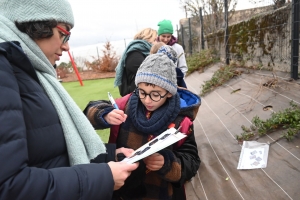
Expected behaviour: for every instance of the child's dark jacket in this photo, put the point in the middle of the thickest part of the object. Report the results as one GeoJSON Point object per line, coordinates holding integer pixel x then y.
{"type": "Point", "coordinates": [181, 161]}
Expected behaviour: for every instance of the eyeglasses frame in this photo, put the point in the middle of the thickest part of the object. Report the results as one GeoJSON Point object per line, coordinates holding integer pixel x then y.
{"type": "Point", "coordinates": [146, 94]}
{"type": "Point", "coordinates": [66, 34]}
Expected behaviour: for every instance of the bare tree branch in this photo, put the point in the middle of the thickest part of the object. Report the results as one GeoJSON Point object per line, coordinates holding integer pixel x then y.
{"type": "Point", "coordinates": [213, 11]}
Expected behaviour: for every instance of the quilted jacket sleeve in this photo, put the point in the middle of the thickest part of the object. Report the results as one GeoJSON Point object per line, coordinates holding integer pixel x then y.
{"type": "Point", "coordinates": [95, 112]}
{"type": "Point", "coordinates": [20, 181]}
{"type": "Point", "coordinates": [181, 63]}
{"type": "Point", "coordinates": [187, 158]}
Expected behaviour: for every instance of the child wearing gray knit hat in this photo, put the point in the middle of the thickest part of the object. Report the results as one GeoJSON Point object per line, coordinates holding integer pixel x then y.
{"type": "Point", "coordinates": [159, 70]}
{"type": "Point", "coordinates": [156, 105]}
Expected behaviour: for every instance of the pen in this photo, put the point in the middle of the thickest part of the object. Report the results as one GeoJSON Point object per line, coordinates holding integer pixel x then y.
{"type": "Point", "coordinates": [177, 130]}
{"type": "Point", "coordinates": [112, 101]}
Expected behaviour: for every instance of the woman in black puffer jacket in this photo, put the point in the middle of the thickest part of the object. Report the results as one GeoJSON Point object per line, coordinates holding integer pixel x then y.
{"type": "Point", "coordinates": [46, 143]}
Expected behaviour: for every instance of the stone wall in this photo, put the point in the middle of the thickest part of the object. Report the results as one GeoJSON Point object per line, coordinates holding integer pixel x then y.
{"type": "Point", "coordinates": [262, 41]}
{"type": "Point", "coordinates": [238, 16]}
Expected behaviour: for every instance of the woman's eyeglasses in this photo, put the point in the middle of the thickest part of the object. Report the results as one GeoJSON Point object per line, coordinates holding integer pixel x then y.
{"type": "Point", "coordinates": [154, 96]}
{"type": "Point", "coordinates": [66, 34]}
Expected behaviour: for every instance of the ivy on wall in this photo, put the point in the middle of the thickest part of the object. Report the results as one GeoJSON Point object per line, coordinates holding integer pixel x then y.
{"type": "Point", "coordinates": [260, 37]}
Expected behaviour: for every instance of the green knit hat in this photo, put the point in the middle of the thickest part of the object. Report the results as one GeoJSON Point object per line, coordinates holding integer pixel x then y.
{"type": "Point", "coordinates": [165, 26]}
{"type": "Point", "coordinates": [38, 10]}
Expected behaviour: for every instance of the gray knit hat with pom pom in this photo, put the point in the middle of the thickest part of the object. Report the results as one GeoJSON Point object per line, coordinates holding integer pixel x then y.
{"type": "Point", "coordinates": [158, 69]}
{"type": "Point", "coordinates": [169, 51]}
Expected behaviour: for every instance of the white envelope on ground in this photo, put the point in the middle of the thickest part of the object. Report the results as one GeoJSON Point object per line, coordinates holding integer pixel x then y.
{"type": "Point", "coordinates": [254, 155]}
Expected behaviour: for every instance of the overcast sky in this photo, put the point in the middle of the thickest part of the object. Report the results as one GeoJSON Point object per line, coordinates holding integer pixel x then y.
{"type": "Point", "coordinates": [97, 21]}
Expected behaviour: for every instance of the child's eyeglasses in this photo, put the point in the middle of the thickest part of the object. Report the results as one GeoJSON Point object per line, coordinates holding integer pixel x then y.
{"type": "Point", "coordinates": [66, 34]}
{"type": "Point", "coordinates": [154, 96]}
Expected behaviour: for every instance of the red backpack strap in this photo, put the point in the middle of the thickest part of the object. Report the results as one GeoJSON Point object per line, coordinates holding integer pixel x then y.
{"type": "Point", "coordinates": [185, 129]}
{"type": "Point", "coordinates": [114, 130]}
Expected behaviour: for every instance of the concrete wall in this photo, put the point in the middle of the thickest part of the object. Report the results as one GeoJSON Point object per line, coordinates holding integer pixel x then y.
{"type": "Point", "coordinates": [260, 41]}
{"type": "Point", "coordinates": [238, 16]}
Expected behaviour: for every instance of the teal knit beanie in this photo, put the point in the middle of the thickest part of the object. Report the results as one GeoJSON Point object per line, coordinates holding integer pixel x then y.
{"type": "Point", "coordinates": [165, 26]}
{"type": "Point", "coordinates": [38, 10]}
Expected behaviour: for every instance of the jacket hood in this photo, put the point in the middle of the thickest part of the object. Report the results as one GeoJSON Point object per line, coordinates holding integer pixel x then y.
{"type": "Point", "coordinates": [189, 103]}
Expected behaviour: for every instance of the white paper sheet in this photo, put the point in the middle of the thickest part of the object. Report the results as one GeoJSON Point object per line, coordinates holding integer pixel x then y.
{"type": "Point", "coordinates": [162, 141]}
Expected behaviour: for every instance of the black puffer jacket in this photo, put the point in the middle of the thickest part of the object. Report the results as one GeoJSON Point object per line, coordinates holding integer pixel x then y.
{"type": "Point", "coordinates": [33, 155]}
{"type": "Point", "coordinates": [132, 63]}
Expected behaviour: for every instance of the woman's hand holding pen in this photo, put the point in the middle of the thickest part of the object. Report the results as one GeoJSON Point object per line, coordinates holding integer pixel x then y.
{"type": "Point", "coordinates": [115, 117]}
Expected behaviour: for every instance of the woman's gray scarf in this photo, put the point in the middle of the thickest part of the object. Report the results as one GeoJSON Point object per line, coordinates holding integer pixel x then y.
{"type": "Point", "coordinates": [83, 143]}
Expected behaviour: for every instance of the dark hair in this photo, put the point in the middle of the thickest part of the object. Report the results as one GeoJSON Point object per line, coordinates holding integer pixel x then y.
{"type": "Point", "coordinates": [37, 29]}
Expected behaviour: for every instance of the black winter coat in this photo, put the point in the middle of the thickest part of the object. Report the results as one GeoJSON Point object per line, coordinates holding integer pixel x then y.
{"type": "Point", "coordinates": [34, 162]}
{"type": "Point", "coordinates": [132, 63]}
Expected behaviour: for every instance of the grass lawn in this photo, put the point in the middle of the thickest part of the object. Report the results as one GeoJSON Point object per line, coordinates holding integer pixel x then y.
{"type": "Point", "coordinates": [92, 90]}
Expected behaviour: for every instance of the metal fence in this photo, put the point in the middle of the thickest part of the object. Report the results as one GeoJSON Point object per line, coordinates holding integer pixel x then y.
{"type": "Point", "coordinates": [265, 36]}
{"type": "Point", "coordinates": [295, 61]}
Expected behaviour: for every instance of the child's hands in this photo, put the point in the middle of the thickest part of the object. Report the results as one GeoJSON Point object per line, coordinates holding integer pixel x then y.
{"type": "Point", "coordinates": [115, 117]}
{"type": "Point", "coordinates": [154, 162]}
{"type": "Point", "coordinates": [123, 152]}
